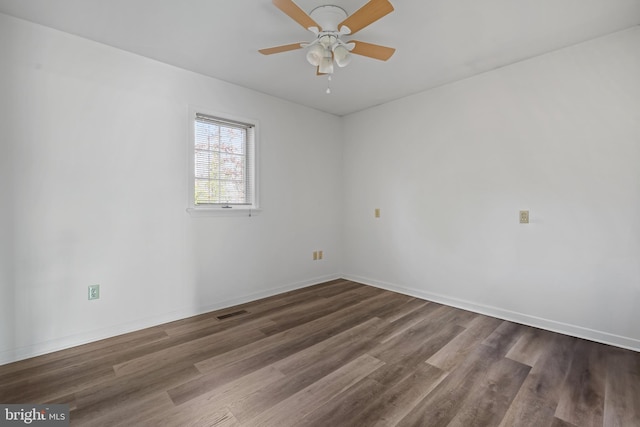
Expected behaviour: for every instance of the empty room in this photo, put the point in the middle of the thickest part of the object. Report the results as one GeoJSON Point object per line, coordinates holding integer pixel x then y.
{"type": "Point", "coordinates": [311, 213]}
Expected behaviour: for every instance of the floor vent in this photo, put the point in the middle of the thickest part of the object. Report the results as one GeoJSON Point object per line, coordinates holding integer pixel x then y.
{"type": "Point", "coordinates": [235, 313]}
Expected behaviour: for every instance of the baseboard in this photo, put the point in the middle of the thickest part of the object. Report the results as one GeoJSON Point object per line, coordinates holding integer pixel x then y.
{"type": "Point", "coordinates": [522, 318]}
{"type": "Point", "coordinates": [38, 349]}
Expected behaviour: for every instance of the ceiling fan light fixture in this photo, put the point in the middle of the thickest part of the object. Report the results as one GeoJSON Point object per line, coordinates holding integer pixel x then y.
{"type": "Point", "coordinates": [329, 23]}
{"type": "Point", "coordinates": [342, 56]}
{"type": "Point", "coordinates": [315, 54]}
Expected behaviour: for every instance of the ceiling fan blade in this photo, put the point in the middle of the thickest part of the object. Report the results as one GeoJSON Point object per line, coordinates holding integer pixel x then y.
{"type": "Point", "coordinates": [294, 12]}
{"type": "Point", "coordinates": [283, 48]}
{"type": "Point", "coordinates": [374, 51]}
{"type": "Point", "coordinates": [367, 14]}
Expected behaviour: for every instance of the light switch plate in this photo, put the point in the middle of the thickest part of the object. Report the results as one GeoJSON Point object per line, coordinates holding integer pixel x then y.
{"type": "Point", "coordinates": [94, 292]}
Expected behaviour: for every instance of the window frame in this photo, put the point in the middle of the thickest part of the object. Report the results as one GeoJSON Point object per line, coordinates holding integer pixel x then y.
{"type": "Point", "coordinates": [251, 148]}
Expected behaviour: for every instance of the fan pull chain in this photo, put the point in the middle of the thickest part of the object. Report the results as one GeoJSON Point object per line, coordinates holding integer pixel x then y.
{"type": "Point", "coordinates": [329, 84]}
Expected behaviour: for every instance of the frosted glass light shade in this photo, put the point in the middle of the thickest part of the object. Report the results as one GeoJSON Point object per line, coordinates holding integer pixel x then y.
{"type": "Point", "coordinates": [342, 56]}
{"type": "Point", "coordinates": [326, 65]}
{"type": "Point", "coordinates": [315, 54]}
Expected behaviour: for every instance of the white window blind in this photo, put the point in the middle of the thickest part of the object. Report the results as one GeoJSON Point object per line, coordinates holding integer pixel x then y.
{"type": "Point", "coordinates": [224, 172]}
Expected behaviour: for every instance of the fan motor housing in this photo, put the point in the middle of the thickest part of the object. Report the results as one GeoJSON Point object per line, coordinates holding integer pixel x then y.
{"type": "Point", "coordinates": [328, 17]}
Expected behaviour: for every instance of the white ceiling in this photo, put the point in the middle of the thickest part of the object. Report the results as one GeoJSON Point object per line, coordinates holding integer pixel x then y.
{"type": "Point", "coordinates": [437, 41]}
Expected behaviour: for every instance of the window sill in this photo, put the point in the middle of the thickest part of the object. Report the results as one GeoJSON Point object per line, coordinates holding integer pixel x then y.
{"type": "Point", "coordinates": [213, 212]}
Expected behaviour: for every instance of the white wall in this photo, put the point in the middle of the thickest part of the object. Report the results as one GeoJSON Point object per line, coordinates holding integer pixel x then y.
{"type": "Point", "coordinates": [97, 140]}
{"type": "Point", "coordinates": [451, 168]}
{"type": "Point", "coordinates": [6, 226]}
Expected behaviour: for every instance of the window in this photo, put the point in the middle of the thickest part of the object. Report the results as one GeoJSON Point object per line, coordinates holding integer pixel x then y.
{"type": "Point", "coordinates": [223, 172]}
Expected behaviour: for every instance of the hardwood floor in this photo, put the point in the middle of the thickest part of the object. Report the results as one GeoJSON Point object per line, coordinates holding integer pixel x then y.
{"type": "Point", "coordinates": [336, 354]}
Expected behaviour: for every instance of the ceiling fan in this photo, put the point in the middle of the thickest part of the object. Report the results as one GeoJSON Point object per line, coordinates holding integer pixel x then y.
{"type": "Point", "coordinates": [329, 23]}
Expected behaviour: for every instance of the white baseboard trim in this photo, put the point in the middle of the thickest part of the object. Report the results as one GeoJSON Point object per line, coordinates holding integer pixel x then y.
{"type": "Point", "coordinates": [522, 318]}
{"type": "Point", "coordinates": [50, 346]}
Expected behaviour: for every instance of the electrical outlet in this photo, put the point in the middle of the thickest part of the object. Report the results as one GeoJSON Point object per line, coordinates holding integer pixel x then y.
{"type": "Point", "coordinates": [524, 217]}
{"type": "Point", "coordinates": [315, 255]}
{"type": "Point", "coordinates": [94, 292]}
{"type": "Point", "coordinates": [320, 254]}
{"type": "Point", "coordinates": [377, 213]}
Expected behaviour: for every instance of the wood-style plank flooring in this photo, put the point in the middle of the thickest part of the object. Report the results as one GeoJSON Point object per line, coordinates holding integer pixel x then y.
{"type": "Point", "coordinates": [336, 354]}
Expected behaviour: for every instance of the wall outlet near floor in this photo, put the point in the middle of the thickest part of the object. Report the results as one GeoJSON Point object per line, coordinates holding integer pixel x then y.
{"type": "Point", "coordinates": [320, 254]}
{"type": "Point", "coordinates": [94, 292]}
{"type": "Point", "coordinates": [377, 213]}
{"type": "Point", "coordinates": [524, 217]}
{"type": "Point", "coordinates": [315, 255]}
